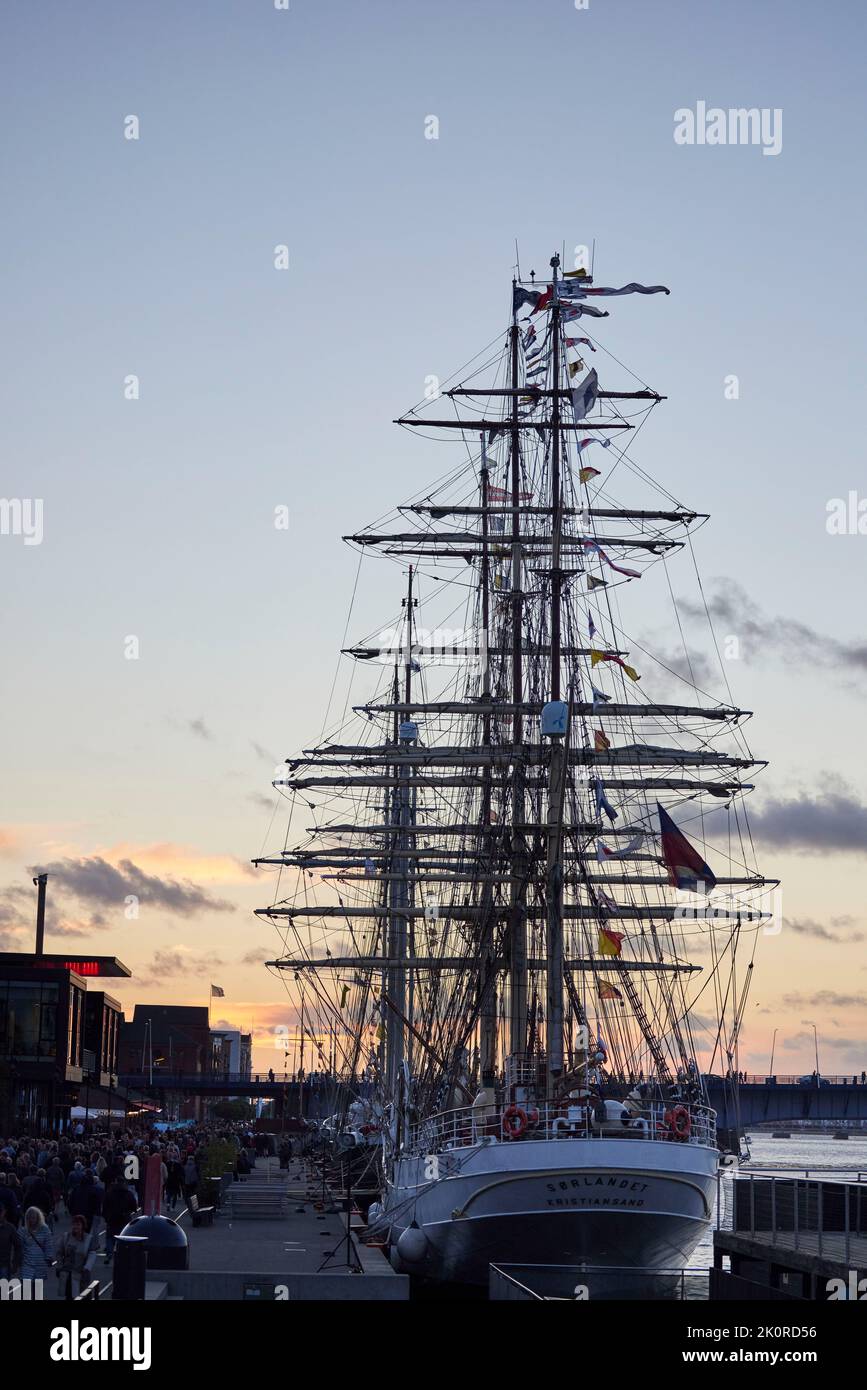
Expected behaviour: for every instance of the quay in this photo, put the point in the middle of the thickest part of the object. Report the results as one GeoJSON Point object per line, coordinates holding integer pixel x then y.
{"type": "Point", "coordinates": [790, 1237]}
{"type": "Point", "coordinates": [276, 1236]}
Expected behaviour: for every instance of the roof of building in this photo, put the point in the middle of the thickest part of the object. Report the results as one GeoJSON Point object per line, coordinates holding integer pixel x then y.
{"type": "Point", "coordinates": [182, 1015]}
{"type": "Point", "coordinates": [88, 966]}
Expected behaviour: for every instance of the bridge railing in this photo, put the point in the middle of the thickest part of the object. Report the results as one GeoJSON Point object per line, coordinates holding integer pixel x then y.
{"type": "Point", "coordinates": [749, 1079]}
{"type": "Point", "coordinates": [173, 1080]}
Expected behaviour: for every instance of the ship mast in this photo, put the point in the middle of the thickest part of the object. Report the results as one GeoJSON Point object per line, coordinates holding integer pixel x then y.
{"type": "Point", "coordinates": [400, 894]}
{"type": "Point", "coordinates": [488, 976]}
{"type": "Point", "coordinates": [520, 866]}
{"type": "Point", "coordinates": [559, 746]}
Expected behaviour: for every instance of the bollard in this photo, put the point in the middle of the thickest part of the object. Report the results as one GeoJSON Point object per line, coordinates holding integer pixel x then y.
{"type": "Point", "coordinates": [130, 1268]}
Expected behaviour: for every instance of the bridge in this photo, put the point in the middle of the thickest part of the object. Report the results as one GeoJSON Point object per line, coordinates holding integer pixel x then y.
{"type": "Point", "coordinates": [754, 1100]}
{"type": "Point", "coordinates": [770, 1099]}
{"type": "Point", "coordinates": [291, 1096]}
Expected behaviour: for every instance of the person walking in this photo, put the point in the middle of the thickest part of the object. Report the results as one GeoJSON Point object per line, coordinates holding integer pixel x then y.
{"type": "Point", "coordinates": [117, 1209]}
{"type": "Point", "coordinates": [10, 1244]}
{"type": "Point", "coordinates": [37, 1193]}
{"type": "Point", "coordinates": [56, 1179]}
{"type": "Point", "coordinates": [174, 1182]}
{"type": "Point", "coordinates": [86, 1200]}
{"type": "Point", "coordinates": [191, 1179]}
{"type": "Point", "coordinates": [76, 1256]}
{"type": "Point", "coordinates": [37, 1245]}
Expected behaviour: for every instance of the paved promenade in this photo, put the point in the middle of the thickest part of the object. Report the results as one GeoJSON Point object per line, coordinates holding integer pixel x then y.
{"type": "Point", "coordinates": [273, 1231]}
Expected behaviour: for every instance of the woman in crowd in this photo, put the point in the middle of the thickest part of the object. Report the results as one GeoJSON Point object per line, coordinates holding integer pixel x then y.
{"type": "Point", "coordinates": [37, 1246]}
{"type": "Point", "coordinates": [76, 1256]}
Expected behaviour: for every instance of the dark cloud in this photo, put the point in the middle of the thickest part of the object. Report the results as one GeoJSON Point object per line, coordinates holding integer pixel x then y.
{"type": "Point", "coordinates": [807, 927]}
{"type": "Point", "coordinates": [263, 753]}
{"type": "Point", "coordinates": [199, 728]}
{"type": "Point", "coordinates": [833, 820]}
{"type": "Point", "coordinates": [775, 637]}
{"type": "Point", "coordinates": [94, 881]}
{"type": "Point", "coordinates": [18, 919]}
{"type": "Point", "coordinates": [696, 669]}
{"type": "Point", "coordinates": [265, 803]}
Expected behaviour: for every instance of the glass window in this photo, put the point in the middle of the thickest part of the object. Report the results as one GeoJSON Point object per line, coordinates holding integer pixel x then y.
{"type": "Point", "coordinates": [24, 1018]}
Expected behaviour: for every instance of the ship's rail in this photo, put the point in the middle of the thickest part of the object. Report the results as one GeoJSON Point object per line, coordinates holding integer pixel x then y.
{"type": "Point", "coordinates": [468, 1126]}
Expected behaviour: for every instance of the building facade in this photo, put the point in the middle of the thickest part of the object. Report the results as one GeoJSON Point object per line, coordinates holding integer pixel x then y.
{"type": "Point", "coordinates": [53, 1041]}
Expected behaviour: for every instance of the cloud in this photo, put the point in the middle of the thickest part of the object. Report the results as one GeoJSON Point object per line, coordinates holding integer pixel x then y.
{"type": "Point", "coordinates": [257, 956]}
{"type": "Point", "coordinates": [18, 920]}
{"type": "Point", "coordinates": [265, 803]}
{"type": "Point", "coordinates": [177, 961]}
{"type": "Point", "coordinates": [94, 880]}
{"type": "Point", "coordinates": [199, 728]}
{"type": "Point", "coordinates": [697, 670]}
{"type": "Point", "coordinates": [808, 927]}
{"type": "Point", "coordinates": [168, 859]}
{"type": "Point", "coordinates": [796, 1041]}
{"type": "Point", "coordinates": [9, 841]}
{"type": "Point", "coordinates": [263, 753]}
{"type": "Point", "coordinates": [825, 999]}
{"type": "Point", "coordinates": [776, 637]}
{"type": "Point", "coordinates": [833, 820]}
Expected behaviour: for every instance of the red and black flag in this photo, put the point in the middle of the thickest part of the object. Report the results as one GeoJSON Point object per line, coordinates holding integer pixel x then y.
{"type": "Point", "coordinates": [686, 868]}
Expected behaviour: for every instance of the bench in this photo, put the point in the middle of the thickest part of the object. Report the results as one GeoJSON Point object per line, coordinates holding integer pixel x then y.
{"type": "Point", "coordinates": [201, 1216]}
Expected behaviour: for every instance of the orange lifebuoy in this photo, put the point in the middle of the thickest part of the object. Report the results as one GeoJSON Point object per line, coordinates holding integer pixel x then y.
{"type": "Point", "coordinates": [679, 1122]}
{"type": "Point", "coordinates": [514, 1122]}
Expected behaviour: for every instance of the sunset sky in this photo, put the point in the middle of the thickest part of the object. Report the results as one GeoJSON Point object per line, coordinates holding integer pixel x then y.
{"type": "Point", "coordinates": [165, 646]}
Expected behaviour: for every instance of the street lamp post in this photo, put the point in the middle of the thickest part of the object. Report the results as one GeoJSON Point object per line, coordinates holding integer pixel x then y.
{"type": "Point", "coordinates": [773, 1048]}
{"type": "Point", "coordinates": [812, 1025]}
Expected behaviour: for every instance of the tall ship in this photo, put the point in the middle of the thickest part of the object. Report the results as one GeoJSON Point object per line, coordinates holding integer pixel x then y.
{"type": "Point", "coordinates": [518, 876]}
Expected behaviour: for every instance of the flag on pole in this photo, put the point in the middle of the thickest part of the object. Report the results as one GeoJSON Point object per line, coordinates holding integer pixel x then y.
{"type": "Point", "coordinates": [594, 583]}
{"type": "Point", "coordinates": [217, 992]}
{"type": "Point", "coordinates": [610, 942]}
{"type": "Point", "coordinates": [577, 311]}
{"type": "Point", "coordinates": [576, 367]}
{"type": "Point", "coordinates": [597, 656]}
{"type": "Point", "coordinates": [585, 474]}
{"type": "Point", "coordinates": [520, 297]}
{"type": "Point", "coordinates": [686, 868]}
{"type": "Point", "coordinates": [599, 697]}
{"type": "Point", "coordinates": [602, 802]}
{"type": "Point", "coordinates": [601, 743]}
{"type": "Point", "coordinates": [579, 274]}
{"type": "Point", "coordinates": [591, 626]}
{"type": "Point", "coordinates": [502, 494]}
{"type": "Point", "coordinates": [620, 569]}
{"type": "Point", "coordinates": [579, 291]}
{"type": "Point", "coordinates": [579, 342]}
{"type": "Point", "coordinates": [607, 990]}
{"type": "Point", "coordinates": [582, 443]}
{"type": "Point", "coordinates": [603, 853]}
{"type": "Point", "coordinates": [584, 396]}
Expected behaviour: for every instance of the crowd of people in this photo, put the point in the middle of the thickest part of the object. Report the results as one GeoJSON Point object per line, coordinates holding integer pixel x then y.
{"type": "Point", "coordinates": [98, 1181]}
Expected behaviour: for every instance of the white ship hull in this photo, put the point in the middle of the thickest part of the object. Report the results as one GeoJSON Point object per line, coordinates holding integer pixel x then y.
{"type": "Point", "coordinates": [635, 1203]}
